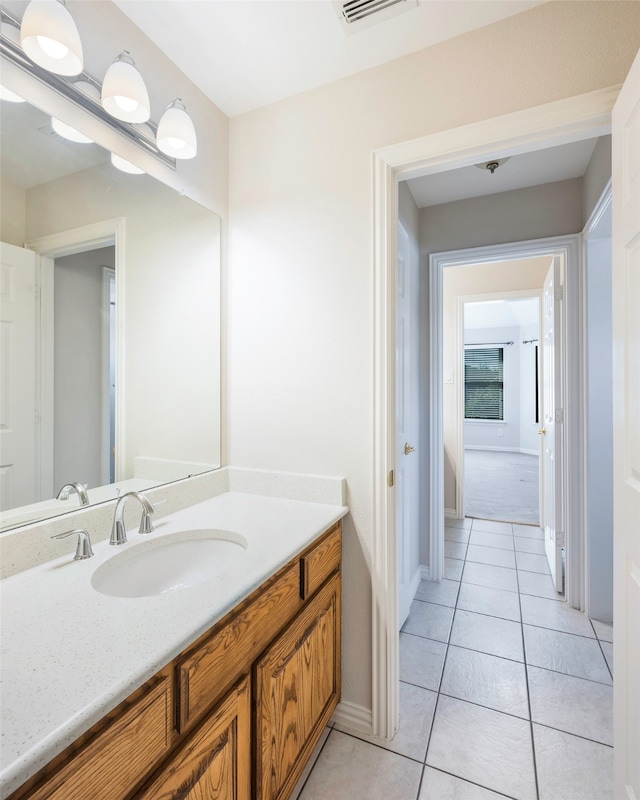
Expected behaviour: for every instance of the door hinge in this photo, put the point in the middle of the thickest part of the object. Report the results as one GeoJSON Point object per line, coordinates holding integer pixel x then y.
{"type": "Point", "coordinates": [390, 479]}
{"type": "Point", "coordinates": [560, 415]}
{"type": "Point", "coordinates": [559, 293]}
{"type": "Point", "coordinates": [560, 539]}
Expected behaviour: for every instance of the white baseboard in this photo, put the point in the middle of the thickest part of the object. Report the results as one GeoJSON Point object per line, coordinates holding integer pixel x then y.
{"type": "Point", "coordinates": [425, 573]}
{"type": "Point", "coordinates": [451, 513]}
{"type": "Point", "coordinates": [415, 582]}
{"type": "Point", "coordinates": [503, 450]}
{"type": "Point", "coordinates": [353, 716]}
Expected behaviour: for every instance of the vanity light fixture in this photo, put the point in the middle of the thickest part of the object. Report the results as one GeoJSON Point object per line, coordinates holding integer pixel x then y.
{"type": "Point", "coordinates": [176, 134]}
{"type": "Point", "coordinates": [124, 94]}
{"type": "Point", "coordinates": [67, 132]}
{"type": "Point", "coordinates": [125, 166]}
{"type": "Point", "coordinates": [9, 96]}
{"type": "Point", "coordinates": [49, 37]}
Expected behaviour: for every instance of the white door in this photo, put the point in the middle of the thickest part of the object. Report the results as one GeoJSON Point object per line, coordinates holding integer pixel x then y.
{"type": "Point", "coordinates": [18, 482]}
{"type": "Point", "coordinates": [408, 552]}
{"type": "Point", "coordinates": [552, 421]}
{"type": "Point", "coordinates": [626, 435]}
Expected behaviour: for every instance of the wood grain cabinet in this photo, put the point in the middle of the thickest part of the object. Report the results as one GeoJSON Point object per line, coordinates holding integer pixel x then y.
{"type": "Point", "coordinates": [236, 715]}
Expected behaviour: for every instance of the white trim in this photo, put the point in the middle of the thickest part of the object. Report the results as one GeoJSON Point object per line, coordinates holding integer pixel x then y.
{"type": "Point", "coordinates": [425, 573]}
{"type": "Point", "coordinates": [415, 582]}
{"type": "Point", "coordinates": [503, 449]}
{"type": "Point", "coordinates": [353, 716]}
{"type": "Point", "coordinates": [450, 513]}
{"type": "Point", "coordinates": [108, 275]}
{"type": "Point", "coordinates": [65, 243]}
{"type": "Point", "coordinates": [570, 119]}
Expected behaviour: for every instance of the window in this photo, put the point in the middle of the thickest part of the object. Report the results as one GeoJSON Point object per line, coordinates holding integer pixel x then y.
{"type": "Point", "coordinates": [483, 383]}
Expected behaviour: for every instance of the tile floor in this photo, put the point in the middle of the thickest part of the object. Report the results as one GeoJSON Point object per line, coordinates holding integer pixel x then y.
{"type": "Point", "coordinates": [505, 692]}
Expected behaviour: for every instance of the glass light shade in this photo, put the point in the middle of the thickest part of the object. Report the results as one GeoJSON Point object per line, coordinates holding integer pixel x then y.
{"type": "Point", "coordinates": [124, 94]}
{"type": "Point", "coordinates": [125, 166]}
{"type": "Point", "coordinates": [9, 96]}
{"type": "Point", "coordinates": [176, 134]}
{"type": "Point", "coordinates": [49, 37]}
{"type": "Point", "coordinates": [67, 132]}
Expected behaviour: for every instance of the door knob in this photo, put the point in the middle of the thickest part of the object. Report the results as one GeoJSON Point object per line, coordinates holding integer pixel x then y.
{"type": "Point", "coordinates": [408, 449]}
{"type": "Point", "coordinates": [542, 431]}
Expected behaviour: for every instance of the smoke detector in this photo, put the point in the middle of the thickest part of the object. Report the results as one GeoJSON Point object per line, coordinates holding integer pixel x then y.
{"type": "Point", "coordinates": [356, 15]}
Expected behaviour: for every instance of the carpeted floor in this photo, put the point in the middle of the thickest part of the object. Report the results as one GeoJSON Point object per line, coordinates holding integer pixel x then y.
{"type": "Point", "coordinates": [499, 485]}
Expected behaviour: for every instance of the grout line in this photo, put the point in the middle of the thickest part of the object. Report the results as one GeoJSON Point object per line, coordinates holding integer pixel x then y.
{"type": "Point", "coordinates": [472, 783]}
{"type": "Point", "coordinates": [570, 733]}
{"type": "Point", "coordinates": [306, 780]}
{"type": "Point", "coordinates": [601, 648]}
{"type": "Point", "coordinates": [424, 767]}
{"type": "Point", "coordinates": [567, 633]}
{"type": "Point", "coordinates": [379, 746]}
{"type": "Point", "coordinates": [526, 677]}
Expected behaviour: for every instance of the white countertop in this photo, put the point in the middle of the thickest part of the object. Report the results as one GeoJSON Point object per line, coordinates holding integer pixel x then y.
{"type": "Point", "coordinates": [69, 654]}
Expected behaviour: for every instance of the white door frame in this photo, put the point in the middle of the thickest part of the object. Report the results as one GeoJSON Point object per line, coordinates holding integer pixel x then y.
{"type": "Point", "coordinates": [66, 243]}
{"type": "Point", "coordinates": [571, 119]}
{"type": "Point", "coordinates": [458, 411]}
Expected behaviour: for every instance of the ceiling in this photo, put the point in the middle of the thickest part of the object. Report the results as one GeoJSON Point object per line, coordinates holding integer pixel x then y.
{"type": "Point", "coordinates": [244, 54]}
{"type": "Point", "coordinates": [501, 313]}
{"type": "Point", "coordinates": [528, 169]}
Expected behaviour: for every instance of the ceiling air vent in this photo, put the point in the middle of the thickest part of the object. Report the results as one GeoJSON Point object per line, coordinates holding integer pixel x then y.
{"type": "Point", "coordinates": [355, 13]}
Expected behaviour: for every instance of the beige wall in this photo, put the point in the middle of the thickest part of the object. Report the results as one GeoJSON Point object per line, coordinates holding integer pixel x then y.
{"type": "Point", "coordinates": [505, 276]}
{"type": "Point", "coordinates": [12, 214]}
{"type": "Point", "coordinates": [300, 284]}
{"type": "Point", "coordinates": [596, 176]}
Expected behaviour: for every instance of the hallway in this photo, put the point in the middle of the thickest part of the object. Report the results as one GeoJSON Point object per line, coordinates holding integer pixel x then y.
{"type": "Point", "coordinates": [505, 691]}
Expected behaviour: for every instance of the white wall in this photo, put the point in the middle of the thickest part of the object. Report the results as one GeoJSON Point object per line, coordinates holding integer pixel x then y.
{"type": "Point", "coordinates": [13, 216]}
{"type": "Point", "coordinates": [300, 287]}
{"type": "Point", "coordinates": [596, 176]}
{"type": "Point", "coordinates": [78, 367]}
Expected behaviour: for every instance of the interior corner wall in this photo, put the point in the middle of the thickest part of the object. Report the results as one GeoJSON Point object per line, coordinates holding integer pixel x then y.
{"type": "Point", "coordinates": [300, 291]}
{"type": "Point", "coordinates": [596, 176]}
{"type": "Point", "coordinates": [13, 216]}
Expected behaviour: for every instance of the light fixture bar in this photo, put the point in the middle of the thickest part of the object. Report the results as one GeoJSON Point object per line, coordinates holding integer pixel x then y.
{"type": "Point", "coordinates": [12, 51]}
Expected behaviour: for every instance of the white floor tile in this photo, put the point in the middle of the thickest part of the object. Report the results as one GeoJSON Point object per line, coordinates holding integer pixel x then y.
{"type": "Point", "coordinates": [483, 746]}
{"type": "Point", "coordinates": [603, 630]}
{"type": "Point", "coordinates": [455, 549]}
{"type": "Point", "coordinates": [489, 526]}
{"type": "Point", "coordinates": [486, 680]}
{"type": "Point", "coordinates": [491, 555]}
{"type": "Point", "coordinates": [443, 592]}
{"type": "Point", "coordinates": [438, 785]}
{"type": "Point", "coordinates": [571, 768]}
{"type": "Point", "coordinates": [417, 707]}
{"type": "Point", "coordinates": [564, 652]}
{"type": "Point", "coordinates": [572, 705]}
{"type": "Point", "coordinates": [489, 575]}
{"type": "Point", "coordinates": [456, 534]}
{"type": "Point", "coordinates": [429, 620]}
{"type": "Point", "coordinates": [535, 546]}
{"type": "Point", "coordinates": [453, 569]}
{"type": "Point", "coordinates": [349, 768]}
{"type": "Point", "coordinates": [532, 563]}
{"type": "Point", "coordinates": [492, 540]}
{"type": "Point", "coordinates": [458, 523]}
{"type": "Point", "coordinates": [421, 661]}
{"type": "Point", "coordinates": [498, 637]}
{"type": "Point", "coordinates": [486, 600]}
{"type": "Point", "coordinates": [552, 614]}
{"type": "Point", "coordinates": [528, 531]}
{"type": "Point", "coordinates": [539, 585]}
{"type": "Point", "coordinates": [607, 649]}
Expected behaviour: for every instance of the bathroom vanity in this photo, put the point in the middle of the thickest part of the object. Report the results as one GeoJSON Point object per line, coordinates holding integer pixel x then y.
{"type": "Point", "coordinates": [221, 689]}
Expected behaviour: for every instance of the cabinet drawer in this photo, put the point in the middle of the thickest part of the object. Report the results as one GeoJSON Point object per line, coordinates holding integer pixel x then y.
{"type": "Point", "coordinates": [216, 663]}
{"type": "Point", "coordinates": [321, 561]}
{"type": "Point", "coordinates": [110, 765]}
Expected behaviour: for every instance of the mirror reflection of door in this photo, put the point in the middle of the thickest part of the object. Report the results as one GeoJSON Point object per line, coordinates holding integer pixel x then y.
{"type": "Point", "coordinates": [84, 368]}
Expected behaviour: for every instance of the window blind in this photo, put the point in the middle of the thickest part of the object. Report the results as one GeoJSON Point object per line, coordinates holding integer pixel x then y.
{"type": "Point", "coordinates": [483, 383]}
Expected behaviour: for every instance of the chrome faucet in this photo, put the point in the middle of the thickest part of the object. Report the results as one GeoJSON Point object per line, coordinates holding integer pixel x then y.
{"type": "Point", "coordinates": [63, 494]}
{"type": "Point", "coordinates": [118, 533]}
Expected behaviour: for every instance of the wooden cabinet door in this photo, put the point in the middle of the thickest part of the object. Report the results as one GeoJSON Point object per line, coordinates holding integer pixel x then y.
{"type": "Point", "coordinates": [297, 687]}
{"type": "Point", "coordinates": [214, 763]}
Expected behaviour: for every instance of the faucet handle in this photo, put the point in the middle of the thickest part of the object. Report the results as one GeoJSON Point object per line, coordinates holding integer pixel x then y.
{"type": "Point", "coordinates": [83, 548]}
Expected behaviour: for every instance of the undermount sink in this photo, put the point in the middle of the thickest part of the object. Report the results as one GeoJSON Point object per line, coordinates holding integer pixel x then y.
{"type": "Point", "coordinates": [169, 563]}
